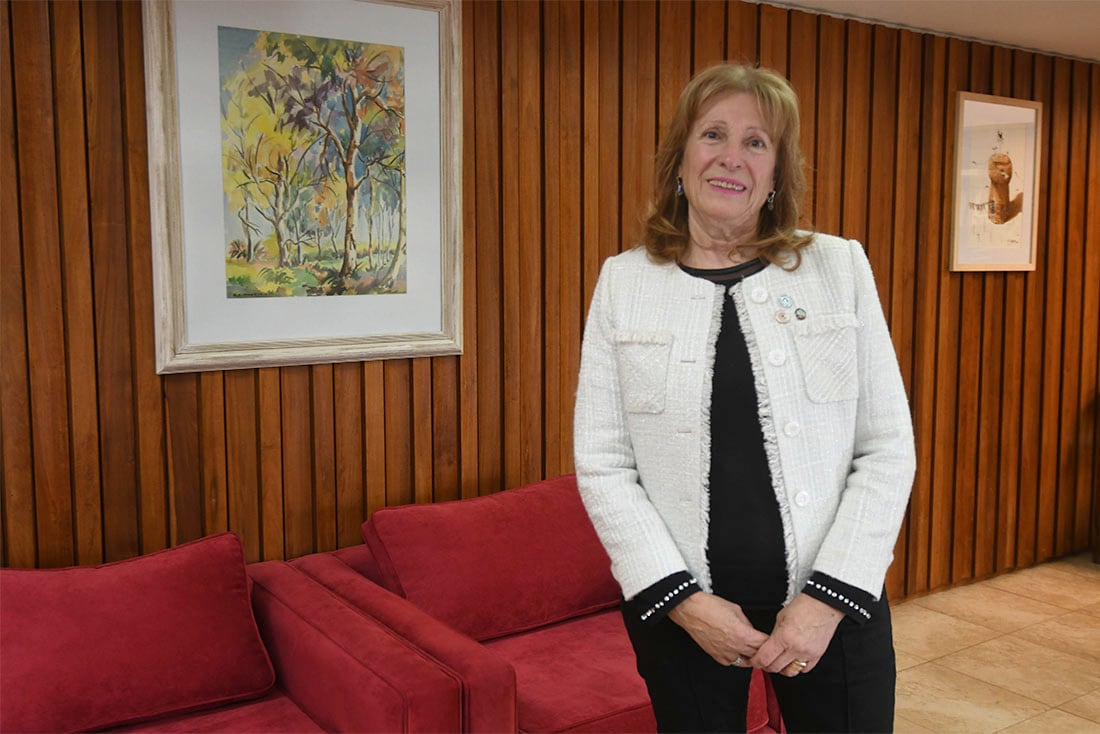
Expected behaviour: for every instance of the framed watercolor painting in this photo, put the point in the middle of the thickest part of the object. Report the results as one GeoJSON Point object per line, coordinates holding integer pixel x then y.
{"type": "Point", "coordinates": [304, 169]}
{"type": "Point", "coordinates": [997, 159]}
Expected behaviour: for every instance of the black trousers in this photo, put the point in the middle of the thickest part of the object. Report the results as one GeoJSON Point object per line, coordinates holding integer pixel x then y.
{"type": "Point", "coordinates": [850, 690]}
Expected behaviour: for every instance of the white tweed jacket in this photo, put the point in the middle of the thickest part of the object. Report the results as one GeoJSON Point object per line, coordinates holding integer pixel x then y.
{"type": "Point", "coordinates": [832, 406]}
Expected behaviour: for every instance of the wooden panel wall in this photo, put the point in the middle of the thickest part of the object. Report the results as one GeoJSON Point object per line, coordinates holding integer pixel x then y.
{"type": "Point", "coordinates": [564, 102]}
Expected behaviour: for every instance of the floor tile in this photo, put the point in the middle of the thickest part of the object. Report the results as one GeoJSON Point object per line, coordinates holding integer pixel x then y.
{"type": "Point", "coordinates": [990, 607]}
{"type": "Point", "coordinates": [1034, 671]}
{"type": "Point", "coordinates": [943, 700]}
{"type": "Point", "coordinates": [905, 660]}
{"type": "Point", "coordinates": [1051, 583]}
{"type": "Point", "coordinates": [928, 634]}
{"type": "Point", "coordinates": [1087, 706]}
{"type": "Point", "coordinates": [904, 726]}
{"type": "Point", "coordinates": [1054, 721]}
{"type": "Point", "coordinates": [1076, 633]}
{"type": "Point", "coordinates": [1081, 563]}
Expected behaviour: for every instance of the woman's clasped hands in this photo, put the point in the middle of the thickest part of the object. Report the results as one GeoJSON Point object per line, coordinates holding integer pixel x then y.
{"type": "Point", "coordinates": [802, 633]}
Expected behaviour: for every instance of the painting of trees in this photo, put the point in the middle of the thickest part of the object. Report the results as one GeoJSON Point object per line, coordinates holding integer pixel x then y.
{"type": "Point", "coordinates": [313, 153]}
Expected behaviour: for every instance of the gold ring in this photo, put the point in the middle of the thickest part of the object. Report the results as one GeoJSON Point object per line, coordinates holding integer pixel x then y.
{"type": "Point", "coordinates": [800, 663]}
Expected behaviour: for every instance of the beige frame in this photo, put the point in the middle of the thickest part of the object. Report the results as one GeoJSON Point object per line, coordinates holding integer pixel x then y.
{"type": "Point", "coordinates": [174, 351]}
{"type": "Point", "coordinates": [977, 242]}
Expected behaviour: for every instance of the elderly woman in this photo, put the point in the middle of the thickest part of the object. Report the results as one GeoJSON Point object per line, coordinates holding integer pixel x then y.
{"type": "Point", "coordinates": [743, 440]}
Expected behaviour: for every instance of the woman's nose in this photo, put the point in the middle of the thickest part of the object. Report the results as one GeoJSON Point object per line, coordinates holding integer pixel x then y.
{"type": "Point", "coordinates": [730, 157]}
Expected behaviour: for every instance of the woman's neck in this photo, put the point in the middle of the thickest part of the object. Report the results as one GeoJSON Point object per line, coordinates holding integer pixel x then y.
{"type": "Point", "coordinates": [718, 249]}
{"type": "Point", "coordinates": [698, 255]}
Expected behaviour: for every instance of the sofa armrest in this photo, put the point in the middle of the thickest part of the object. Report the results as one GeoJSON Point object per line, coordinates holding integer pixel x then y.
{"type": "Point", "coordinates": [344, 669]}
{"type": "Point", "coordinates": [488, 681]}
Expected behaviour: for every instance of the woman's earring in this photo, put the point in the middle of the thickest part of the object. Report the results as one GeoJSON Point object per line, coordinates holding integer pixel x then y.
{"type": "Point", "coordinates": [679, 186]}
{"type": "Point", "coordinates": [771, 200]}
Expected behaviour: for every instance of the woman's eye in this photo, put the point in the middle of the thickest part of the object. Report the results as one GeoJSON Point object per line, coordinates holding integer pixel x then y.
{"type": "Point", "coordinates": [758, 143]}
{"type": "Point", "coordinates": [711, 135]}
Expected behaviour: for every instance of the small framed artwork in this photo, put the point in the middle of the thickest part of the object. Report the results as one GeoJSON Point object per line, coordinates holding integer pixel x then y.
{"type": "Point", "coordinates": [304, 180]}
{"type": "Point", "coordinates": [997, 164]}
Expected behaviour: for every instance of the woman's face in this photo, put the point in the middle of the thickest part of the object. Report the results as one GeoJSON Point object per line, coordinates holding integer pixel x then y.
{"type": "Point", "coordinates": [728, 167]}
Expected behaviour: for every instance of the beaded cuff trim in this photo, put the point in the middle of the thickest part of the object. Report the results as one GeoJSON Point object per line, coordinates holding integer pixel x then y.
{"type": "Point", "coordinates": [841, 597]}
{"type": "Point", "coordinates": [668, 597]}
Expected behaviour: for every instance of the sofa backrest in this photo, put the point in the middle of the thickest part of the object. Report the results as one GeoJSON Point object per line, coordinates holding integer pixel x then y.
{"type": "Point", "coordinates": [499, 564]}
{"type": "Point", "coordinates": [88, 648]}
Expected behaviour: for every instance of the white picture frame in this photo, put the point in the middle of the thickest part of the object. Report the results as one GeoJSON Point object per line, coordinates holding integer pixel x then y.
{"type": "Point", "coordinates": [202, 322]}
{"type": "Point", "coordinates": [998, 146]}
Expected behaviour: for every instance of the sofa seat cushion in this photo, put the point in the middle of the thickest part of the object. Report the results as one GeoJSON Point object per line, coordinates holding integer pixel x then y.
{"type": "Point", "coordinates": [495, 565]}
{"type": "Point", "coordinates": [275, 713]}
{"type": "Point", "coordinates": [91, 648]}
{"type": "Point", "coordinates": [578, 675]}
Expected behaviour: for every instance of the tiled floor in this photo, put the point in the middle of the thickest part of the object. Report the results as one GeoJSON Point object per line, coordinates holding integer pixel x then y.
{"type": "Point", "coordinates": [1019, 653]}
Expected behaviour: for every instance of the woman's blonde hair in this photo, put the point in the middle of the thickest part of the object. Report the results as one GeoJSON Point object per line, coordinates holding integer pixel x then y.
{"type": "Point", "coordinates": [666, 229]}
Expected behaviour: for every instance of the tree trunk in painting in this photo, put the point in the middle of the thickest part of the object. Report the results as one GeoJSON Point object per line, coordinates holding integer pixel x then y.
{"type": "Point", "coordinates": [389, 278]}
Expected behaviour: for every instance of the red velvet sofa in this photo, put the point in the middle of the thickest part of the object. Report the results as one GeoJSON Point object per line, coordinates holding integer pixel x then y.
{"type": "Point", "coordinates": [513, 593]}
{"type": "Point", "coordinates": [188, 640]}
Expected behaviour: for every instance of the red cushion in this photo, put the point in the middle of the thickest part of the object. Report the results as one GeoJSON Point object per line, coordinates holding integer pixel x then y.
{"type": "Point", "coordinates": [498, 564]}
{"type": "Point", "coordinates": [273, 713]}
{"type": "Point", "coordinates": [89, 648]}
{"type": "Point", "coordinates": [579, 675]}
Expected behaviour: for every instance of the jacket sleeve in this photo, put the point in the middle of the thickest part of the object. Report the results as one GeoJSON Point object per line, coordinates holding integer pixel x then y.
{"type": "Point", "coordinates": [641, 548]}
{"type": "Point", "coordinates": [859, 546]}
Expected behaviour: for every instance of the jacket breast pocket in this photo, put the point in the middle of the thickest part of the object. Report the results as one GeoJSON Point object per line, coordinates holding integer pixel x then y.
{"type": "Point", "coordinates": [643, 358]}
{"type": "Point", "coordinates": [827, 351]}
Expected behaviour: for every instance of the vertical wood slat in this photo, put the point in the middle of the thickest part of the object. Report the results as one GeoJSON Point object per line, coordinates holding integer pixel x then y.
{"type": "Point", "coordinates": [829, 155]}
{"type": "Point", "coordinates": [1051, 431]}
{"type": "Point", "coordinates": [18, 530]}
{"type": "Point", "coordinates": [323, 455]}
{"type": "Point", "coordinates": [571, 296]}
{"type": "Point", "coordinates": [563, 106]}
{"type": "Point", "coordinates": [297, 474]}
{"type": "Point", "coordinates": [1075, 266]}
{"type": "Point", "coordinates": [213, 453]}
{"type": "Point", "coordinates": [903, 279]}
{"type": "Point", "coordinates": [803, 77]}
{"type": "Point", "coordinates": [709, 34]}
{"type": "Point", "coordinates": [185, 489]}
{"type": "Point", "coordinates": [1088, 473]}
{"type": "Point", "coordinates": [933, 456]}
{"type": "Point", "coordinates": [79, 306]}
{"type": "Point", "coordinates": [531, 459]}
{"type": "Point", "coordinates": [511, 39]}
{"type": "Point", "coordinates": [42, 272]}
{"type": "Point", "coordinates": [554, 217]}
{"type": "Point", "coordinates": [269, 409]}
{"type": "Point", "coordinates": [880, 212]}
{"type": "Point", "coordinates": [486, 177]}
{"type": "Point", "coordinates": [350, 452]}
{"type": "Point", "coordinates": [147, 388]}
{"type": "Point", "coordinates": [112, 284]}
{"type": "Point", "coordinates": [468, 397]}
{"type": "Point", "coordinates": [421, 439]}
{"type": "Point", "coordinates": [243, 451]}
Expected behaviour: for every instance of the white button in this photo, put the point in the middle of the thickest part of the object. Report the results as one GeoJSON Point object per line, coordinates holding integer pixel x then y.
{"type": "Point", "coordinates": [759, 295]}
{"type": "Point", "coordinates": [777, 357]}
{"type": "Point", "coordinates": [792, 428]}
{"type": "Point", "coordinates": [802, 499]}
